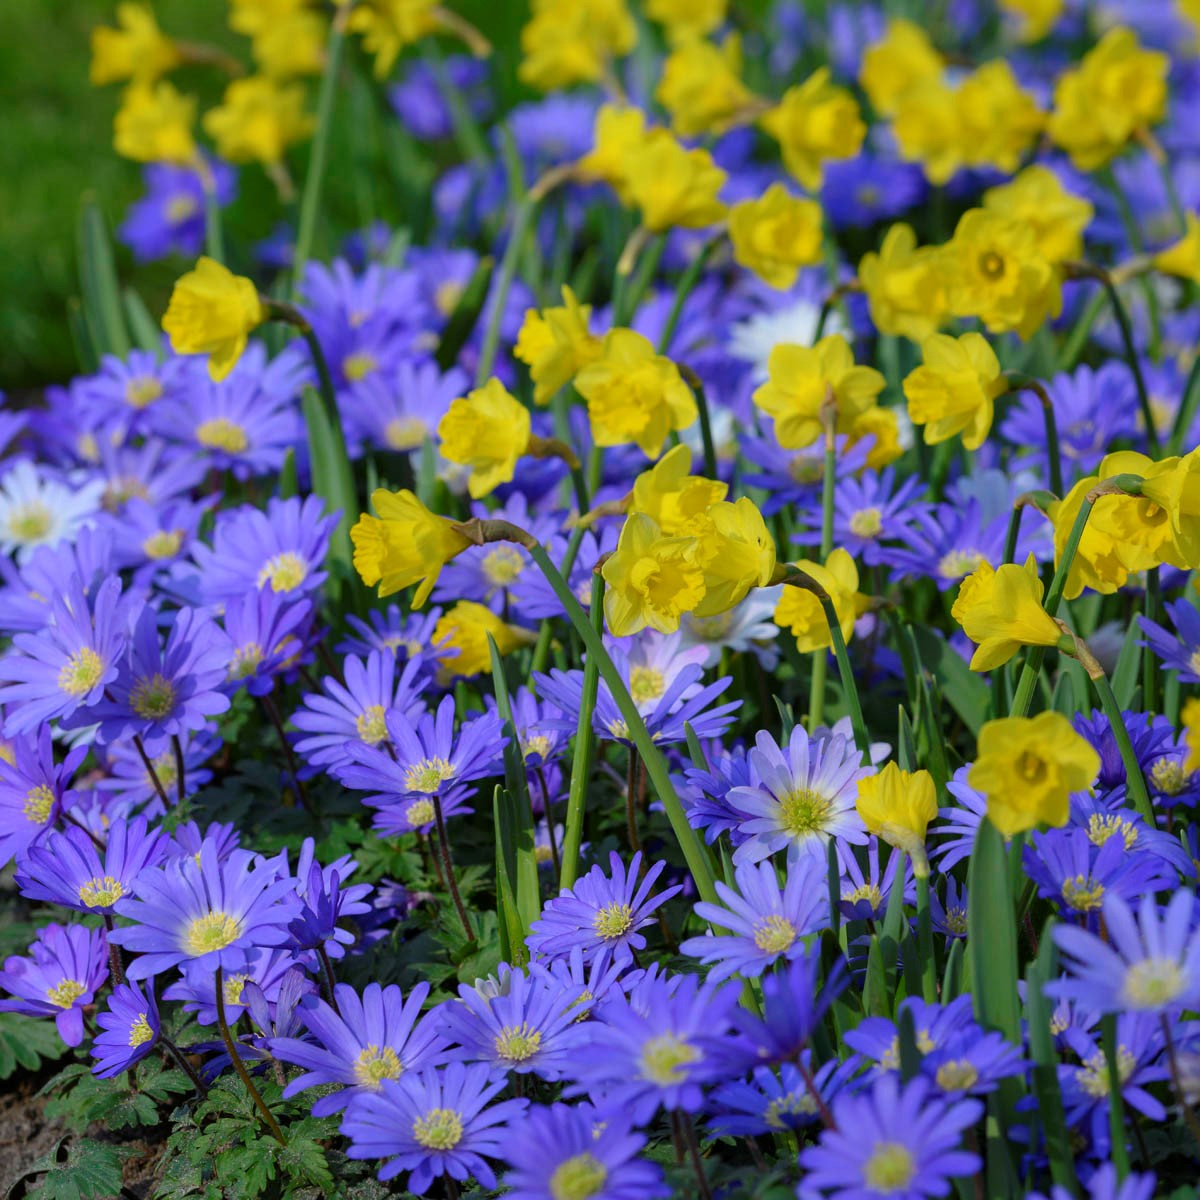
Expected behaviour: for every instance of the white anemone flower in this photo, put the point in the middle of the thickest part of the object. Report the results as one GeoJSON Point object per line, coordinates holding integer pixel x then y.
{"type": "Point", "coordinates": [36, 510]}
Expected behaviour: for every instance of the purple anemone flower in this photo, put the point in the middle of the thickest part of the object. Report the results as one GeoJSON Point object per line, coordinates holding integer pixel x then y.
{"type": "Point", "coordinates": [34, 790]}
{"type": "Point", "coordinates": [129, 1030]}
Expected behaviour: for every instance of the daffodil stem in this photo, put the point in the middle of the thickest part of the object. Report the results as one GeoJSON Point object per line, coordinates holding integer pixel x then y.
{"type": "Point", "coordinates": [310, 199]}
{"type": "Point", "coordinates": [706, 435]}
{"type": "Point", "coordinates": [631, 286]}
{"type": "Point", "coordinates": [180, 768]}
{"type": "Point", "coordinates": [1187, 410]}
{"type": "Point", "coordinates": [240, 1067]}
{"type": "Point", "coordinates": [523, 218]}
{"type": "Point", "coordinates": [1077, 338]}
{"type": "Point", "coordinates": [1116, 1103]}
{"type": "Point", "coordinates": [214, 238]}
{"type": "Point", "coordinates": [443, 849]}
{"type": "Point", "coordinates": [139, 745]}
{"type": "Point", "coordinates": [1150, 660]}
{"type": "Point", "coordinates": [1135, 782]}
{"type": "Point", "coordinates": [687, 283]}
{"type": "Point", "coordinates": [585, 740]}
{"type": "Point", "coordinates": [1026, 383]}
{"type": "Point", "coordinates": [1014, 531]}
{"type": "Point", "coordinates": [656, 765]}
{"type": "Point", "coordinates": [849, 687]}
{"type": "Point", "coordinates": [925, 941]}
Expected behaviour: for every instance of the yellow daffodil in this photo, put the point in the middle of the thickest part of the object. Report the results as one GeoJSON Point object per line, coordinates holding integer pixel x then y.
{"type": "Point", "coordinates": [1190, 716]}
{"type": "Point", "coordinates": [701, 86]}
{"type": "Point", "coordinates": [955, 389]}
{"type": "Point", "coordinates": [556, 344]}
{"type": "Point", "coordinates": [815, 122]}
{"type": "Point", "coordinates": [1001, 611]}
{"type": "Point", "coordinates": [652, 579]}
{"type": "Point", "coordinates": [802, 379]}
{"type": "Point", "coordinates": [403, 544]}
{"type": "Point", "coordinates": [677, 500]}
{"type": "Point", "coordinates": [775, 235]}
{"type": "Point", "coordinates": [1170, 490]}
{"type": "Point", "coordinates": [1000, 120]}
{"type": "Point", "coordinates": [674, 187]}
{"type": "Point", "coordinates": [1182, 258]}
{"type": "Point", "coordinates": [929, 129]}
{"type": "Point", "coordinates": [387, 26]}
{"type": "Point", "coordinates": [487, 430]}
{"type": "Point", "coordinates": [995, 272]}
{"type": "Point", "coordinates": [1099, 562]}
{"type": "Point", "coordinates": [294, 45]}
{"type": "Point", "coordinates": [882, 427]}
{"type": "Point", "coordinates": [566, 42]}
{"type": "Point", "coordinates": [1117, 89]}
{"type": "Point", "coordinates": [463, 632]}
{"type": "Point", "coordinates": [901, 60]}
{"type": "Point", "coordinates": [897, 807]}
{"type": "Point", "coordinates": [1034, 18]}
{"type": "Point", "coordinates": [904, 285]}
{"type": "Point", "coordinates": [258, 119]}
{"type": "Point", "coordinates": [634, 395]}
{"type": "Point", "coordinates": [1037, 199]}
{"type": "Point", "coordinates": [737, 553]}
{"type": "Point", "coordinates": [1027, 767]}
{"type": "Point", "coordinates": [212, 311]}
{"type": "Point", "coordinates": [618, 133]}
{"type": "Point", "coordinates": [154, 124]}
{"type": "Point", "coordinates": [136, 50]}
{"type": "Point", "coordinates": [800, 611]}
{"type": "Point", "coordinates": [686, 19]}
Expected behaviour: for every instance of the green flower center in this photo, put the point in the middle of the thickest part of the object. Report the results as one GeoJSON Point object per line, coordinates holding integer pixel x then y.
{"type": "Point", "coordinates": [284, 572]}
{"type": "Point", "coordinates": [646, 684]}
{"type": "Point", "coordinates": [181, 208]}
{"type": "Point", "coordinates": [359, 365]}
{"type": "Point", "coordinates": [153, 697]}
{"type": "Point", "coordinates": [213, 931]}
{"type": "Point", "coordinates": [774, 934]}
{"type": "Point", "coordinates": [665, 1059]}
{"type": "Point", "coordinates": [803, 812]}
{"type": "Point", "coordinates": [956, 920]}
{"type": "Point", "coordinates": [890, 1168]}
{"type": "Point", "coordinates": [81, 672]}
{"type": "Point", "coordinates": [140, 1031]}
{"type": "Point", "coordinates": [420, 812]}
{"type": "Point", "coordinates": [222, 434]}
{"type": "Point", "coordinates": [866, 523]}
{"type": "Point", "coordinates": [438, 1129]}
{"type": "Point", "coordinates": [959, 563]}
{"type": "Point", "coordinates": [991, 265]}
{"type": "Point", "coordinates": [246, 660]}
{"type": "Point", "coordinates": [64, 994]}
{"type": "Point", "coordinates": [39, 802]}
{"type": "Point", "coordinates": [516, 1043]}
{"type": "Point", "coordinates": [957, 1075]}
{"type": "Point", "coordinates": [163, 544]}
{"type": "Point", "coordinates": [613, 920]}
{"type": "Point", "coordinates": [1031, 767]}
{"type": "Point", "coordinates": [371, 725]}
{"type": "Point", "coordinates": [1154, 983]}
{"type": "Point", "coordinates": [373, 1066]}
{"type": "Point", "coordinates": [30, 522]}
{"type": "Point", "coordinates": [502, 565]}
{"type": "Point", "coordinates": [578, 1178]}
{"type": "Point", "coordinates": [447, 296]}
{"type": "Point", "coordinates": [101, 892]}
{"type": "Point", "coordinates": [143, 391]}
{"type": "Point", "coordinates": [428, 775]}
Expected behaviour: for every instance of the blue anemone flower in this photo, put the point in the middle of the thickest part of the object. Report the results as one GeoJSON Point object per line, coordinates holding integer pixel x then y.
{"type": "Point", "coordinates": [129, 1030]}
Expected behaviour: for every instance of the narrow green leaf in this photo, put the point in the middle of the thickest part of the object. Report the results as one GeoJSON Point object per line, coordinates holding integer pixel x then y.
{"type": "Point", "coordinates": [876, 996]}
{"type": "Point", "coordinates": [952, 977]}
{"type": "Point", "coordinates": [910, 1056]}
{"type": "Point", "coordinates": [289, 484]}
{"type": "Point", "coordinates": [81, 337]}
{"type": "Point", "coordinates": [465, 316]}
{"type": "Point", "coordinates": [146, 333]}
{"type": "Point", "coordinates": [98, 280]}
{"type": "Point", "coordinates": [332, 478]}
{"type": "Point", "coordinates": [1127, 673]}
{"type": "Point", "coordinates": [511, 932]}
{"type": "Point", "coordinates": [699, 759]}
{"type": "Point", "coordinates": [967, 693]}
{"type": "Point", "coordinates": [906, 746]}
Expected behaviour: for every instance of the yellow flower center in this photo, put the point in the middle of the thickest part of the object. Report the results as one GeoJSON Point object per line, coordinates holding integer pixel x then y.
{"type": "Point", "coordinates": [7, 753]}
{"type": "Point", "coordinates": [805, 468]}
{"type": "Point", "coordinates": [428, 775]}
{"type": "Point", "coordinates": [803, 812]}
{"type": "Point", "coordinates": [502, 565]}
{"type": "Point", "coordinates": [140, 1031]}
{"type": "Point", "coordinates": [613, 921]}
{"type": "Point", "coordinates": [245, 660]}
{"type": "Point", "coordinates": [153, 697]}
{"type": "Point", "coordinates": [868, 892]}
{"type": "Point", "coordinates": [81, 672]}
{"type": "Point", "coordinates": [646, 684]}
{"type": "Point", "coordinates": [284, 572]}
{"type": "Point", "coordinates": [516, 1043]}
{"type": "Point", "coordinates": [578, 1178]}
{"type": "Point", "coordinates": [1083, 893]}
{"type": "Point", "coordinates": [712, 628]}
{"type": "Point", "coordinates": [420, 812]}
{"type": "Point", "coordinates": [222, 434]}
{"type": "Point", "coordinates": [774, 934]}
{"type": "Point", "coordinates": [101, 891]}
{"type": "Point", "coordinates": [867, 522]}
{"type": "Point", "coordinates": [39, 801]}
{"type": "Point", "coordinates": [213, 931]}
{"type": "Point", "coordinates": [1154, 983]}
{"type": "Point", "coordinates": [538, 744]}
{"type": "Point", "coordinates": [665, 1059]}
{"type": "Point", "coordinates": [1194, 662]}
{"type": "Point", "coordinates": [1093, 1075]}
{"type": "Point", "coordinates": [64, 994]}
{"type": "Point", "coordinates": [359, 365]}
{"type": "Point", "coordinates": [1102, 826]}
{"type": "Point", "coordinates": [373, 1066]}
{"type": "Point", "coordinates": [890, 1168]}
{"type": "Point", "coordinates": [438, 1129]}
{"type": "Point", "coordinates": [371, 725]}
{"type": "Point", "coordinates": [447, 297]}
{"type": "Point", "coordinates": [122, 490]}
{"type": "Point", "coordinates": [957, 1075]}
{"type": "Point", "coordinates": [163, 544]}
{"type": "Point", "coordinates": [232, 988]}
{"type": "Point", "coordinates": [142, 392]}
{"type": "Point", "coordinates": [891, 1056]}
{"type": "Point", "coordinates": [1031, 767]}
{"type": "Point", "coordinates": [181, 208]}
{"type": "Point", "coordinates": [1169, 777]}
{"type": "Point", "coordinates": [405, 433]}
{"type": "Point", "coordinates": [958, 563]}
{"type": "Point", "coordinates": [794, 1104]}
{"type": "Point", "coordinates": [30, 522]}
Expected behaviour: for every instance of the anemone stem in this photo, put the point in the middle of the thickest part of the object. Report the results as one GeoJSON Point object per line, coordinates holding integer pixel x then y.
{"type": "Point", "coordinates": [240, 1067]}
{"type": "Point", "coordinates": [443, 847]}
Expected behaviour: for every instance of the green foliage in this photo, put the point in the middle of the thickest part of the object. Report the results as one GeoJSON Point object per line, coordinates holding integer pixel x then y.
{"type": "Point", "coordinates": [81, 1100]}
{"type": "Point", "coordinates": [25, 1042]}
{"type": "Point", "coordinates": [85, 1170]}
